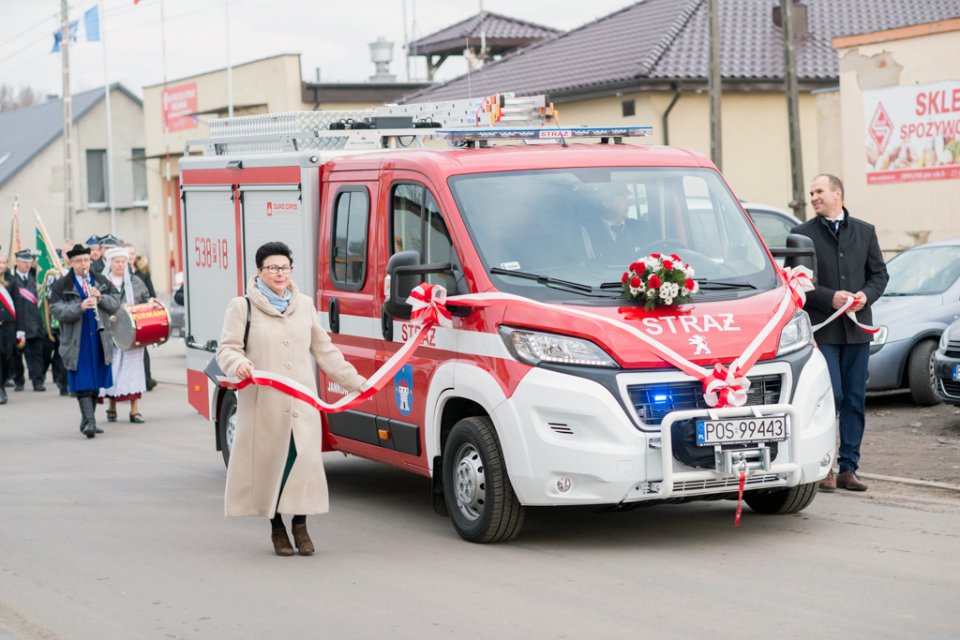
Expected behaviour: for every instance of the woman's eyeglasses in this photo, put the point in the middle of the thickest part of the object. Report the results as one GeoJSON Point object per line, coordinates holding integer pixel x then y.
{"type": "Point", "coordinates": [274, 269]}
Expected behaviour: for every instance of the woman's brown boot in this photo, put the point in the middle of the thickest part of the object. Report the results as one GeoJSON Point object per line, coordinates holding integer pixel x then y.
{"type": "Point", "coordinates": [281, 542]}
{"type": "Point", "coordinates": [302, 539]}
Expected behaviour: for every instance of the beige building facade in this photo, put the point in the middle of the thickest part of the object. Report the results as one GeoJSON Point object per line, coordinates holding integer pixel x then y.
{"type": "Point", "coordinates": [900, 135]}
{"type": "Point", "coordinates": [38, 183]}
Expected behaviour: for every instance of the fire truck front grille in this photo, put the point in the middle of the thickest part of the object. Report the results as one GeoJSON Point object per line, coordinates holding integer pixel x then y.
{"type": "Point", "coordinates": [655, 400]}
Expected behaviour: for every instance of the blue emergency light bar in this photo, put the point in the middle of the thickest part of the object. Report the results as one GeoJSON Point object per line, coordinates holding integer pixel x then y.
{"type": "Point", "coordinates": [542, 133]}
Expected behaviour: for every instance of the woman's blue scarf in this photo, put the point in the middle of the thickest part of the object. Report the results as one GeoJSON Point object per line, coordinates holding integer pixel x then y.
{"type": "Point", "coordinates": [280, 303]}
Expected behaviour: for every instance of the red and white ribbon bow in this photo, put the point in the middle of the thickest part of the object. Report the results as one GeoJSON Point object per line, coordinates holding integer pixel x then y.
{"type": "Point", "coordinates": [725, 387]}
{"type": "Point", "coordinates": [800, 280]}
{"type": "Point", "coordinates": [429, 305]}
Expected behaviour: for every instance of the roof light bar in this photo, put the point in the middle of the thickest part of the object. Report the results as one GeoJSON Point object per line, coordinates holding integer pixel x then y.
{"type": "Point", "coordinates": [542, 133]}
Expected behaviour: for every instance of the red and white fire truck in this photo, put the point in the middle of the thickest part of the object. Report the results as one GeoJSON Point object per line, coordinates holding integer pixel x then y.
{"type": "Point", "coordinates": [574, 398]}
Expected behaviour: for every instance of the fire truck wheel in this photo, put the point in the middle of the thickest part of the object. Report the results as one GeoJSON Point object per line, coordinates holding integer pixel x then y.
{"type": "Point", "coordinates": [227, 425]}
{"type": "Point", "coordinates": [478, 493]}
{"type": "Point", "coordinates": [790, 500]}
{"type": "Point", "coordinates": [920, 375]}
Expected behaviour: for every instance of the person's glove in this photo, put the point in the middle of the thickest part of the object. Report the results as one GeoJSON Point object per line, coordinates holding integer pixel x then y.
{"type": "Point", "coordinates": [21, 339]}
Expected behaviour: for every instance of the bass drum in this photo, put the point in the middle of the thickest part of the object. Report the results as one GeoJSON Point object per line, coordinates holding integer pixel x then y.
{"type": "Point", "coordinates": [140, 325]}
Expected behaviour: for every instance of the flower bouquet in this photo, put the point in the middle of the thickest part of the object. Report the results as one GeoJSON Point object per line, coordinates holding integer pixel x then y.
{"type": "Point", "coordinates": [659, 280]}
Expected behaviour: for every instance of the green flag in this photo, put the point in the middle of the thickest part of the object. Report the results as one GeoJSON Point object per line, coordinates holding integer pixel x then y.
{"type": "Point", "coordinates": [45, 259]}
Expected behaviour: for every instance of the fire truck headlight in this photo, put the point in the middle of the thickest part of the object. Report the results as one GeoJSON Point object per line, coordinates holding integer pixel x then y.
{"type": "Point", "coordinates": [534, 347]}
{"type": "Point", "coordinates": [796, 334]}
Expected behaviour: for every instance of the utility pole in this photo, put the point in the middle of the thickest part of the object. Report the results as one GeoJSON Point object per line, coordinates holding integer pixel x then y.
{"type": "Point", "coordinates": [714, 84]}
{"type": "Point", "coordinates": [793, 109]}
{"type": "Point", "coordinates": [67, 123]}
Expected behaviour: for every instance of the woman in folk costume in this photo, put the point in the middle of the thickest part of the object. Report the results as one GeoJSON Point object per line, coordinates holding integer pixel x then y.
{"type": "Point", "coordinates": [83, 301]}
{"type": "Point", "coordinates": [276, 465]}
{"type": "Point", "coordinates": [129, 380]}
{"type": "Point", "coordinates": [8, 329]}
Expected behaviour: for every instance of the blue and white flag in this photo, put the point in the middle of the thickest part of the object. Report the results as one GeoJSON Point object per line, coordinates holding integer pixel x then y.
{"type": "Point", "coordinates": [91, 23]}
{"type": "Point", "coordinates": [74, 28]}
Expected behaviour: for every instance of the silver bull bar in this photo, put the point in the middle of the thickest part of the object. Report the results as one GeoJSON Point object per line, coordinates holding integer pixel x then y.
{"type": "Point", "coordinates": [729, 463]}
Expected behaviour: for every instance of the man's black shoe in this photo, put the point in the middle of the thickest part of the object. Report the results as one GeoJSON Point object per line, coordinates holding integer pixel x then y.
{"type": "Point", "coordinates": [8, 384]}
{"type": "Point", "coordinates": [18, 387]}
{"type": "Point", "coordinates": [151, 383]}
{"type": "Point", "coordinates": [39, 387]}
{"type": "Point", "coordinates": [64, 391]}
{"type": "Point", "coordinates": [3, 396]}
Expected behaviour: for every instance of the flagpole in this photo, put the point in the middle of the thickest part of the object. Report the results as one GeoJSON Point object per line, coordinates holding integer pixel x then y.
{"type": "Point", "coordinates": [229, 66]}
{"type": "Point", "coordinates": [106, 92]}
{"type": "Point", "coordinates": [67, 122]}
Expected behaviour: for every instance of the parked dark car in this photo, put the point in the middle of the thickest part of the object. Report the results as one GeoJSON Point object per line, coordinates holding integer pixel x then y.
{"type": "Point", "coordinates": [773, 223]}
{"type": "Point", "coordinates": [921, 300]}
{"type": "Point", "coordinates": [946, 365]}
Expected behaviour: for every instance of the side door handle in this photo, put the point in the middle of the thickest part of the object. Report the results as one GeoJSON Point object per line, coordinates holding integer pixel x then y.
{"type": "Point", "coordinates": [386, 324]}
{"type": "Point", "coordinates": [334, 315]}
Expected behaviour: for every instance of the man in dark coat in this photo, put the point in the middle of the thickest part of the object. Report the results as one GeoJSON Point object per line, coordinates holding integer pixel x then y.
{"type": "Point", "coordinates": [30, 329]}
{"type": "Point", "coordinates": [83, 302]}
{"type": "Point", "coordinates": [8, 327]}
{"type": "Point", "coordinates": [614, 238]}
{"type": "Point", "coordinates": [849, 265]}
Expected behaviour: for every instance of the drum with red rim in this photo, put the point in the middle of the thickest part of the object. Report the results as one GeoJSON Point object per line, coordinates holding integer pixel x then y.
{"type": "Point", "coordinates": [140, 325]}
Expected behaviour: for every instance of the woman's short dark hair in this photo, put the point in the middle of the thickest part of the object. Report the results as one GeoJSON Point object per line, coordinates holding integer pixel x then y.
{"type": "Point", "coordinates": [273, 249]}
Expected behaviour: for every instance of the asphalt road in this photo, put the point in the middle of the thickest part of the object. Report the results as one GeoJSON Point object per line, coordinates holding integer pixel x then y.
{"type": "Point", "coordinates": [123, 537]}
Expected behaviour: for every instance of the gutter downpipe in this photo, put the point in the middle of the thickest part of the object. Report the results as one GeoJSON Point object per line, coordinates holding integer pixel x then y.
{"type": "Point", "coordinates": [666, 114]}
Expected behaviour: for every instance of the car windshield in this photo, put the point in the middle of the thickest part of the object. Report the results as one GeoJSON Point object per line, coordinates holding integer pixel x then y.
{"type": "Point", "coordinates": [576, 227]}
{"type": "Point", "coordinates": [923, 271]}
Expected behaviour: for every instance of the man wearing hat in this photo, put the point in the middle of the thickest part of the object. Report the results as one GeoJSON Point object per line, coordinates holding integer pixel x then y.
{"type": "Point", "coordinates": [102, 243]}
{"type": "Point", "coordinates": [30, 331]}
{"type": "Point", "coordinates": [83, 302]}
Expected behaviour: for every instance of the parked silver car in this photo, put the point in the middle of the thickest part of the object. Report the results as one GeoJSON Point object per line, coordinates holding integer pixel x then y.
{"type": "Point", "coordinates": [773, 223]}
{"type": "Point", "coordinates": [921, 300]}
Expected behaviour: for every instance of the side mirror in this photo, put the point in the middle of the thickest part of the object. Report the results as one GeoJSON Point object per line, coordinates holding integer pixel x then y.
{"type": "Point", "coordinates": [406, 272]}
{"type": "Point", "coordinates": [799, 252]}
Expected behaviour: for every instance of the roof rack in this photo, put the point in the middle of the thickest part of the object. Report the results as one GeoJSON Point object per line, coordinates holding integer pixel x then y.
{"type": "Point", "coordinates": [472, 122]}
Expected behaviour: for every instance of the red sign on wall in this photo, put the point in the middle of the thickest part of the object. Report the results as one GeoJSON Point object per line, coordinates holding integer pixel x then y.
{"type": "Point", "coordinates": [180, 107]}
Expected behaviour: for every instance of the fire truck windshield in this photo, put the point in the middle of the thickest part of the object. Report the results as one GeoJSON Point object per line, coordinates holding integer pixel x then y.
{"type": "Point", "coordinates": [587, 225]}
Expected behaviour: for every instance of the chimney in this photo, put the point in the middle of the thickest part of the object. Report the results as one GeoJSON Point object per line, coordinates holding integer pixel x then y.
{"type": "Point", "coordinates": [381, 54]}
{"type": "Point", "coordinates": [799, 18]}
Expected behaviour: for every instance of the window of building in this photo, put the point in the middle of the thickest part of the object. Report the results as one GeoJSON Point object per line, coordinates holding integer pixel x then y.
{"type": "Point", "coordinates": [629, 108]}
{"type": "Point", "coordinates": [96, 177]}
{"type": "Point", "coordinates": [348, 255]}
{"type": "Point", "coordinates": [139, 162]}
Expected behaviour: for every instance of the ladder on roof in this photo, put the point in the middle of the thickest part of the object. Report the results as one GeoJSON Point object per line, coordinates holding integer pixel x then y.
{"type": "Point", "coordinates": [461, 122]}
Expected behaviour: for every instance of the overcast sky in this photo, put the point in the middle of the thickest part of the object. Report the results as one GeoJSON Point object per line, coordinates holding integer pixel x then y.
{"type": "Point", "coordinates": [330, 34]}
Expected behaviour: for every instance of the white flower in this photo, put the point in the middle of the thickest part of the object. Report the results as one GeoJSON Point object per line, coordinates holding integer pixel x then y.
{"type": "Point", "coordinates": [651, 293]}
{"type": "Point", "coordinates": [637, 290]}
{"type": "Point", "coordinates": [689, 271]}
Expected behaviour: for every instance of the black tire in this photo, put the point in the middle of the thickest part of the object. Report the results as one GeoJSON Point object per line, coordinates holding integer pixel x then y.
{"type": "Point", "coordinates": [790, 500]}
{"type": "Point", "coordinates": [920, 376]}
{"type": "Point", "coordinates": [226, 430]}
{"type": "Point", "coordinates": [476, 489]}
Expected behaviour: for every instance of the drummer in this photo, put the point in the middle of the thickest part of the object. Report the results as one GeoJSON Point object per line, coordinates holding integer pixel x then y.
{"type": "Point", "coordinates": [129, 381]}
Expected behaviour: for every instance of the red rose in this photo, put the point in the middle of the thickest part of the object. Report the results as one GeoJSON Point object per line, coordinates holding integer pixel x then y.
{"type": "Point", "coordinates": [635, 282]}
{"type": "Point", "coordinates": [689, 284]}
{"type": "Point", "coordinates": [654, 282]}
{"type": "Point", "coordinates": [634, 266]}
{"type": "Point", "coordinates": [625, 276]}
{"type": "Point", "coordinates": [668, 264]}
{"type": "Point", "coordinates": [655, 256]}
{"type": "Point", "coordinates": [641, 268]}
{"type": "Point", "coordinates": [675, 257]}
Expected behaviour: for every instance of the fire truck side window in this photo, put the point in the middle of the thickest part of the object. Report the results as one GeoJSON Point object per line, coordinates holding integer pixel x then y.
{"type": "Point", "coordinates": [348, 257]}
{"type": "Point", "coordinates": [416, 215]}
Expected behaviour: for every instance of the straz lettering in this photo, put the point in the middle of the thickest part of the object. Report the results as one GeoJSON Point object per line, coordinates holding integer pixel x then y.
{"type": "Point", "coordinates": [211, 253]}
{"type": "Point", "coordinates": [407, 331]}
{"type": "Point", "coordinates": [689, 324]}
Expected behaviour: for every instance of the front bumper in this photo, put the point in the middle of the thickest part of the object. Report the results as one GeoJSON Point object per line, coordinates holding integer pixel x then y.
{"type": "Point", "coordinates": [568, 440]}
{"type": "Point", "coordinates": [947, 387]}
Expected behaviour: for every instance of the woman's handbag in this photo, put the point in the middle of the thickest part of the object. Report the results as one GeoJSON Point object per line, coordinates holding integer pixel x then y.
{"type": "Point", "coordinates": [213, 370]}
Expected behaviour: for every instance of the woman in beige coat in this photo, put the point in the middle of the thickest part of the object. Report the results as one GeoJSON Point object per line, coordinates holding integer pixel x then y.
{"type": "Point", "coordinates": [275, 465]}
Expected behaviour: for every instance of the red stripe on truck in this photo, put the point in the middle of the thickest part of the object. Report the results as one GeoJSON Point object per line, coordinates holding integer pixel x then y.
{"type": "Point", "coordinates": [258, 175]}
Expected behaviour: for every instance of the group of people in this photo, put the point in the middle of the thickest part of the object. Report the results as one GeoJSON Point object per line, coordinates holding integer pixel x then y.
{"type": "Point", "coordinates": [61, 320]}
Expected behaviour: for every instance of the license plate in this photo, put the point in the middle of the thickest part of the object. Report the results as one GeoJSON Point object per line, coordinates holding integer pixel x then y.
{"type": "Point", "coordinates": [741, 430]}
{"type": "Point", "coordinates": [956, 373]}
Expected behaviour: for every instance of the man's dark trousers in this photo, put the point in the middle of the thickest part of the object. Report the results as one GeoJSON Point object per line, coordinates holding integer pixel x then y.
{"type": "Point", "coordinates": [847, 364]}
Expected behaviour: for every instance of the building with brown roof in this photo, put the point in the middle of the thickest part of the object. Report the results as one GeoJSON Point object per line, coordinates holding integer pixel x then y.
{"type": "Point", "coordinates": [648, 64]}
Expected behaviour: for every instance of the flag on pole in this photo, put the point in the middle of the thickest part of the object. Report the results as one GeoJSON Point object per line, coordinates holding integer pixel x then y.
{"type": "Point", "coordinates": [44, 253]}
{"type": "Point", "coordinates": [14, 233]}
{"type": "Point", "coordinates": [91, 23]}
{"type": "Point", "coordinates": [74, 28]}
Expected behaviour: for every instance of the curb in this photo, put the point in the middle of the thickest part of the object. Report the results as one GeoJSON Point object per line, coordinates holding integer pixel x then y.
{"type": "Point", "coordinates": [911, 481]}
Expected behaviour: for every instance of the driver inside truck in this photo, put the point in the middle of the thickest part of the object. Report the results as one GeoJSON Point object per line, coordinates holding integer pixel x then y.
{"type": "Point", "coordinates": [611, 235]}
